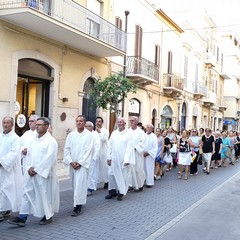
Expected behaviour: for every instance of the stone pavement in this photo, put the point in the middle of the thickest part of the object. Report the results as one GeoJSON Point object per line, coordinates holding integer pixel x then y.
{"type": "Point", "coordinates": [203, 207]}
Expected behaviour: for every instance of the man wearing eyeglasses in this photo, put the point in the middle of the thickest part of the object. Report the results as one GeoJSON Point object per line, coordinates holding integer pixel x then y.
{"type": "Point", "coordinates": [41, 189]}
{"type": "Point", "coordinates": [10, 169]}
{"type": "Point", "coordinates": [27, 138]}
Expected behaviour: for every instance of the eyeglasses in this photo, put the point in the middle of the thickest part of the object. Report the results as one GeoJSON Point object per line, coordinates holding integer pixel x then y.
{"type": "Point", "coordinates": [38, 125]}
{"type": "Point", "coordinates": [194, 131]}
{"type": "Point", "coordinates": [31, 121]}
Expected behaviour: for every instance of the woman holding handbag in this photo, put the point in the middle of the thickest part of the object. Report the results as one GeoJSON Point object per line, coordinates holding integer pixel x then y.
{"type": "Point", "coordinates": [194, 141]}
{"type": "Point", "coordinates": [184, 154]}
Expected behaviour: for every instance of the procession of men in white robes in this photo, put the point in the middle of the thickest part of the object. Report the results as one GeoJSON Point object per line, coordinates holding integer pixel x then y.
{"type": "Point", "coordinates": [121, 162]}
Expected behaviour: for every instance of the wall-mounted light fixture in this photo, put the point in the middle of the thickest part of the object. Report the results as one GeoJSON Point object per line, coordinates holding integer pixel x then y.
{"type": "Point", "coordinates": [64, 99]}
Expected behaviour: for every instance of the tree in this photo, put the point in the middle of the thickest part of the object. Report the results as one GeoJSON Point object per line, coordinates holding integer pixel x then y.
{"type": "Point", "coordinates": [111, 91]}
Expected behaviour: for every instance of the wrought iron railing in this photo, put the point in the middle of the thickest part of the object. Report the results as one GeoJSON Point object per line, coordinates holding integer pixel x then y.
{"type": "Point", "coordinates": [199, 88]}
{"type": "Point", "coordinates": [171, 80]}
{"type": "Point", "coordinates": [76, 16]}
{"type": "Point", "coordinates": [142, 66]}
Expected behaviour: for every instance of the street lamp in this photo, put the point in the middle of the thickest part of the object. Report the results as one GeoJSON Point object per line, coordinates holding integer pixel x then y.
{"type": "Point", "coordinates": [179, 102]}
{"type": "Point", "coordinates": [125, 55]}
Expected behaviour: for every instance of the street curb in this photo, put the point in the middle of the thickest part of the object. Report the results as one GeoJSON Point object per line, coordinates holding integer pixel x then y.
{"type": "Point", "coordinates": [175, 220]}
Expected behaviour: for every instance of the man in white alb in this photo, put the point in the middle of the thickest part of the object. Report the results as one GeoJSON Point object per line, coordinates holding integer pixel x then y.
{"type": "Point", "coordinates": [10, 169]}
{"type": "Point", "coordinates": [120, 157]}
{"type": "Point", "coordinates": [137, 177]}
{"type": "Point", "coordinates": [150, 153]}
{"type": "Point", "coordinates": [102, 168]}
{"type": "Point", "coordinates": [78, 153]}
{"type": "Point", "coordinates": [92, 177]}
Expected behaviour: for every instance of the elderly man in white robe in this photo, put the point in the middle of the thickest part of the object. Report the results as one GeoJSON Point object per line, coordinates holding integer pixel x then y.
{"type": "Point", "coordinates": [120, 157]}
{"type": "Point", "coordinates": [78, 153]}
{"type": "Point", "coordinates": [102, 167]}
{"type": "Point", "coordinates": [10, 169]}
{"type": "Point", "coordinates": [137, 176]}
{"type": "Point", "coordinates": [92, 177]}
{"type": "Point", "coordinates": [40, 182]}
{"type": "Point", "coordinates": [27, 138]}
{"type": "Point", "coordinates": [150, 153]}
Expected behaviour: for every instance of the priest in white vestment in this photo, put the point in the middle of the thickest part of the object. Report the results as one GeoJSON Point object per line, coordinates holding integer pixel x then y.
{"type": "Point", "coordinates": [78, 153]}
{"type": "Point", "coordinates": [120, 158]}
{"type": "Point", "coordinates": [92, 177]}
{"type": "Point", "coordinates": [102, 166]}
{"type": "Point", "coordinates": [40, 182]}
{"type": "Point", "coordinates": [137, 176]}
{"type": "Point", "coordinates": [10, 169]}
{"type": "Point", "coordinates": [150, 153]}
{"type": "Point", "coordinates": [27, 138]}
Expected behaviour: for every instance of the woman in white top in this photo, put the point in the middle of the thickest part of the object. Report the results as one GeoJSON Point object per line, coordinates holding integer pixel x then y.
{"type": "Point", "coordinates": [194, 141]}
{"type": "Point", "coordinates": [184, 158]}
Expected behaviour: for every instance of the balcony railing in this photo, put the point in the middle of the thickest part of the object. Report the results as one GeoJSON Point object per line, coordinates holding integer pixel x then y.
{"type": "Point", "coordinates": [210, 98]}
{"type": "Point", "coordinates": [171, 80]}
{"type": "Point", "coordinates": [142, 67]}
{"type": "Point", "coordinates": [73, 15]}
{"type": "Point", "coordinates": [199, 89]}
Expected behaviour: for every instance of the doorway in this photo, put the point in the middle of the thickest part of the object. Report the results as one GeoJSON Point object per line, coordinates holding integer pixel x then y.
{"type": "Point", "coordinates": [33, 90]}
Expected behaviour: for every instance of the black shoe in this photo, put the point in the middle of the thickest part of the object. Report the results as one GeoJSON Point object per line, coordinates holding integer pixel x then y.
{"type": "Point", "coordinates": [112, 193]}
{"type": "Point", "coordinates": [17, 221]}
{"type": "Point", "coordinates": [45, 221]}
{"type": "Point", "coordinates": [148, 186]}
{"type": "Point", "coordinates": [76, 211]}
{"type": "Point", "coordinates": [120, 197]}
{"type": "Point", "coordinates": [141, 188]}
{"type": "Point", "coordinates": [6, 213]}
{"type": "Point", "coordinates": [208, 173]}
{"type": "Point", "coordinates": [130, 189]}
{"type": "Point", "coordinates": [105, 185]}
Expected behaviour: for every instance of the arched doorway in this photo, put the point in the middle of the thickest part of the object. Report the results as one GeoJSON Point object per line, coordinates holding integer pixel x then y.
{"type": "Point", "coordinates": [87, 109]}
{"type": "Point", "coordinates": [166, 117]}
{"type": "Point", "coordinates": [154, 115]}
{"type": "Point", "coordinates": [33, 89]}
{"type": "Point", "coordinates": [184, 116]}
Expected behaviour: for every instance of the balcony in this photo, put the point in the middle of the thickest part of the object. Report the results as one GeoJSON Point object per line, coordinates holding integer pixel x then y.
{"type": "Point", "coordinates": [141, 71]}
{"type": "Point", "coordinates": [210, 99]}
{"type": "Point", "coordinates": [210, 61]}
{"type": "Point", "coordinates": [199, 90]}
{"type": "Point", "coordinates": [172, 84]}
{"type": "Point", "coordinates": [67, 22]}
{"type": "Point", "coordinates": [222, 105]}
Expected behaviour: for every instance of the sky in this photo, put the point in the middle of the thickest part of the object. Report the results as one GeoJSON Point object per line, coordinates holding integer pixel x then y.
{"type": "Point", "coordinates": [223, 13]}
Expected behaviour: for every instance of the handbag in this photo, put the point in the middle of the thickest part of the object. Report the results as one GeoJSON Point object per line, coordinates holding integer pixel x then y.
{"type": "Point", "coordinates": [173, 149]}
{"type": "Point", "coordinates": [199, 160]}
{"type": "Point", "coordinates": [200, 151]}
{"type": "Point", "coordinates": [193, 155]}
{"type": "Point", "coordinates": [167, 158]}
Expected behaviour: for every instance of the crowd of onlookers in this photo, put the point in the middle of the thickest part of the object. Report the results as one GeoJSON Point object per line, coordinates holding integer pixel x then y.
{"type": "Point", "coordinates": [189, 148]}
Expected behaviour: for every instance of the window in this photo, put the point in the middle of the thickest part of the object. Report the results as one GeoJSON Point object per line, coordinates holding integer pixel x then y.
{"type": "Point", "coordinates": [185, 70]}
{"type": "Point", "coordinates": [170, 62]}
{"type": "Point", "coordinates": [217, 54]}
{"type": "Point", "coordinates": [157, 55]}
{"type": "Point", "coordinates": [93, 28]}
{"type": "Point", "coordinates": [138, 41]}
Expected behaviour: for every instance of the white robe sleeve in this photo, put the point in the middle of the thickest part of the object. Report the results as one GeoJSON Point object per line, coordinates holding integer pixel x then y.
{"type": "Point", "coordinates": [152, 151]}
{"type": "Point", "coordinates": [44, 167]}
{"type": "Point", "coordinates": [141, 144]}
{"type": "Point", "coordinates": [96, 146]}
{"type": "Point", "coordinates": [67, 150]}
{"type": "Point", "coordinates": [8, 160]}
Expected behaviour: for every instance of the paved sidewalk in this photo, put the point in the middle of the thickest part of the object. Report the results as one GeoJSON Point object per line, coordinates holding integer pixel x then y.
{"type": "Point", "coordinates": [203, 207]}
